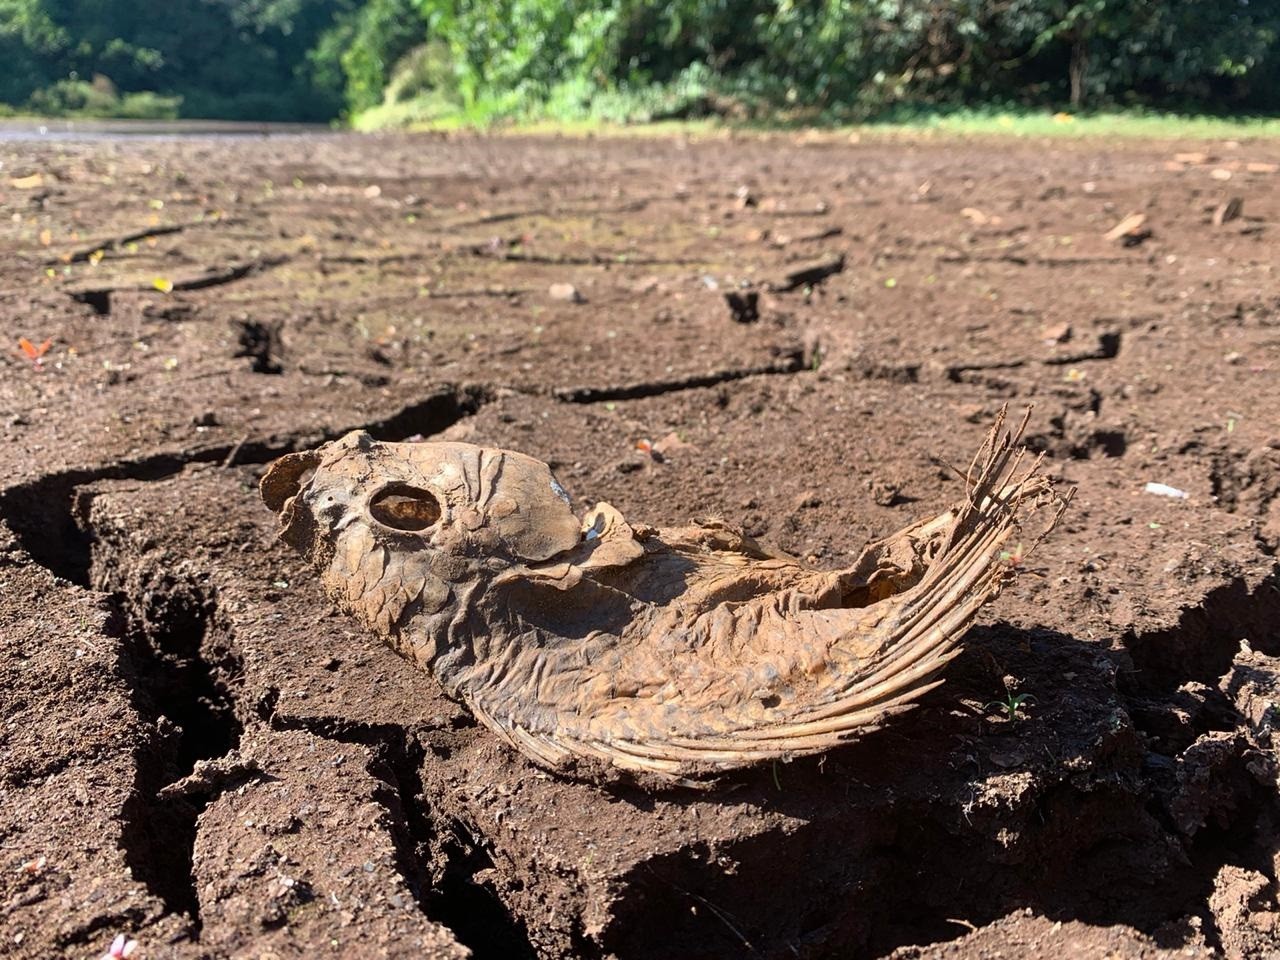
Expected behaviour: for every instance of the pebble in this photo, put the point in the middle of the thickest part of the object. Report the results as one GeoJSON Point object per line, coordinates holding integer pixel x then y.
{"type": "Point", "coordinates": [565, 291]}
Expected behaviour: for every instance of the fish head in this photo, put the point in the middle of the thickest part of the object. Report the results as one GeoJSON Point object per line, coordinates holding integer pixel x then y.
{"type": "Point", "coordinates": [401, 529]}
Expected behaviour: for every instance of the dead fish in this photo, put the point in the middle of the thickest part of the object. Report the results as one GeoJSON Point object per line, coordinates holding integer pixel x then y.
{"type": "Point", "coordinates": [594, 642]}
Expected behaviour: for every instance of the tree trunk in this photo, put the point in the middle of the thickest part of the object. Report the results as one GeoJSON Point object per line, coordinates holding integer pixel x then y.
{"type": "Point", "coordinates": [1079, 69]}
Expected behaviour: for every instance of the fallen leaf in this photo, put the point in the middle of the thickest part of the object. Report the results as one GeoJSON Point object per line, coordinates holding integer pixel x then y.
{"type": "Point", "coordinates": [27, 183]}
{"type": "Point", "coordinates": [46, 237]}
{"type": "Point", "coordinates": [163, 284]}
{"type": "Point", "coordinates": [34, 353]}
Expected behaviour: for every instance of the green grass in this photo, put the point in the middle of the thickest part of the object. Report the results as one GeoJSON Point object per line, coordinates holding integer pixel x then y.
{"type": "Point", "coordinates": [412, 115]}
{"type": "Point", "coordinates": [1121, 124]}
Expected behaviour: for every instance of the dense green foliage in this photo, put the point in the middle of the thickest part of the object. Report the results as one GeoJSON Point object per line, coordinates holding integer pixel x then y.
{"type": "Point", "coordinates": [202, 58]}
{"type": "Point", "coordinates": [627, 59]}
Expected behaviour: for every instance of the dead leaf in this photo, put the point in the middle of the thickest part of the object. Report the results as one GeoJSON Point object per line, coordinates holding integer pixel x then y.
{"type": "Point", "coordinates": [27, 183]}
{"type": "Point", "coordinates": [34, 353]}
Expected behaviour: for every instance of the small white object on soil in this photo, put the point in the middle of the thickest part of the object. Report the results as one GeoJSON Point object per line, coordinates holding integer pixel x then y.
{"type": "Point", "coordinates": [1164, 490]}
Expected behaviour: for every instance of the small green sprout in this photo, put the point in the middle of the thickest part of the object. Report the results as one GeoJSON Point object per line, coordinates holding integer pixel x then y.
{"type": "Point", "coordinates": [1012, 705]}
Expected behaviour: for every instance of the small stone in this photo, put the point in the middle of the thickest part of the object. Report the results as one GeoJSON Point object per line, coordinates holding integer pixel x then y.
{"type": "Point", "coordinates": [1057, 333]}
{"type": "Point", "coordinates": [565, 291]}
{"type": "Point", "coordinates": [1227, 211]}
{"type": "Point", "coordinates": [885, 493]}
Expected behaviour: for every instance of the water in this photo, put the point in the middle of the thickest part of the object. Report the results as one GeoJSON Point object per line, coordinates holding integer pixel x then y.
{"type": "Point", "coordinates": [34, 128]}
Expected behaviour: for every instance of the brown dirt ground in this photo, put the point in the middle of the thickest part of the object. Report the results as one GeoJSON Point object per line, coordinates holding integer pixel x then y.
{"type": "Point", "coordinates": [196, 752]}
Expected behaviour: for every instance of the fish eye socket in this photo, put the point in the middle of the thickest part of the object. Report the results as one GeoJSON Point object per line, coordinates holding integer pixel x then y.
{"type": "Point", "coordinates": [402, 507]}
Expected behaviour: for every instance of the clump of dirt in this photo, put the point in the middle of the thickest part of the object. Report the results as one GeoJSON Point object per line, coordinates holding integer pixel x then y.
{"type": "Point", "coordinates": [198, 753]}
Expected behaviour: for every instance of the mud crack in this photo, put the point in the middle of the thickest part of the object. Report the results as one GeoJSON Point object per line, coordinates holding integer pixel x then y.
{"type": "Point", "coordinates": [48, 517]}
{"type": "Point", "coordinates": [181, 675]}
{"type": "Point", "coordinates": [790, 360]}
{"type": "Point", "coordinates": [98, 298]}
{"type": "Point", "coordinates": [441, 868]}
{"type": "Point", "coordinates": [1200, 647]}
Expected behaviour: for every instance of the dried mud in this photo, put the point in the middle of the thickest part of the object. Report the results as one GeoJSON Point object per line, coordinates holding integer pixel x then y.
{"type": "Point", "coordinates": [198, 753]}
